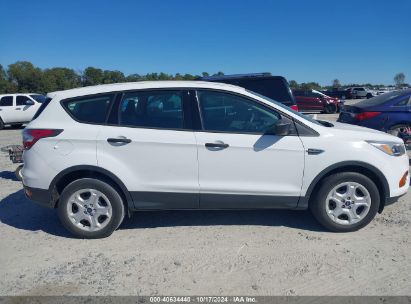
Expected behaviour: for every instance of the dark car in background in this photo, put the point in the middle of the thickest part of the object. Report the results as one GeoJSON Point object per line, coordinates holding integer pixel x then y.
{"type": "Point", "coordinates": [390, 112]}
{"type": "Point", "coordinates": [339, 93]}
{"type": "Point", "coordinates": [315, 101]}
{"type": "Point", "coordinates": [274, 87]}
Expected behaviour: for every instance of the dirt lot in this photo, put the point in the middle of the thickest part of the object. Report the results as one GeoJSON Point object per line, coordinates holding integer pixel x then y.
{"type": "Point", "coordinates": [199, 252]}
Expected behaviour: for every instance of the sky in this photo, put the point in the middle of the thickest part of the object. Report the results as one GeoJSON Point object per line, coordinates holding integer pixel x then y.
{"type": "Point", "coordinates": [359, 41]}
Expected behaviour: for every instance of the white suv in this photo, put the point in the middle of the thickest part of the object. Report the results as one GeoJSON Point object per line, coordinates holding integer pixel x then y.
{"type": "Point", "coordinates": [361, 92]}
{"type": "Point", "coordinates": [17, 109]}
{"type": "Point", "coordinates": [97, 153]}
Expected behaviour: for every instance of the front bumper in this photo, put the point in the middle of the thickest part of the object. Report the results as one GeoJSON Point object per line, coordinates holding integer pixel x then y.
{"type": "Point", "coordinates": [42, 197]}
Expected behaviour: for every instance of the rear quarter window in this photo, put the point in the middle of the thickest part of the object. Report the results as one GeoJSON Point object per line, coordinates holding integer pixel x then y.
{"type": "Point", "coordinates": [90, 109]}
{"type": "Point", "coordinates": [42, 107]}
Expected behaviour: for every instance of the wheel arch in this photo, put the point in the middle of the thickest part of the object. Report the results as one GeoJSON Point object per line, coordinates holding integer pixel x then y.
{"type": "Point", "coordinates": [71, 174]}
{"type": "Point", "coordinates": [349, 166]}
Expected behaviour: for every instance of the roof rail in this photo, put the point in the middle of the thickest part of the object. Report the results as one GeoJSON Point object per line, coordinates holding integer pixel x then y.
{"type": "Point", "coordinates": [233, 76]}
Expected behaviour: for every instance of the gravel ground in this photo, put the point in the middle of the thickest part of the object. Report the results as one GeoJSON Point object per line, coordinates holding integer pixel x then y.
{"type": "Point", "coordinates": [199, 252]}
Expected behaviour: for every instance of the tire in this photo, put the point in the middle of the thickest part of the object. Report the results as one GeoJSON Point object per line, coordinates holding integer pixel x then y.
{"type": "Point", "coordinates": [18, 174]}
{"type": "Point", "coordinates": [78, 219]}
{"type": "Point", "coordinates": [395, 130]}
{"type": "Point", "coordinates": [330, 109]}
{"type": "Point", "coordinates": [369, 96]}
{"type": "Point", "coordinates": [1, 124]}
{"type": "Point", "coordinates": [322, 208]}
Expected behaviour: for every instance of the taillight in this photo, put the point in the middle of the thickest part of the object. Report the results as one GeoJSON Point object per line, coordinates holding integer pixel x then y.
{"type": "Point", "coordinates": [294, 107]}
{"type": "Point", "coordinates": [365, 115]}
{"type": "Point", "coordinates": [31, 136]}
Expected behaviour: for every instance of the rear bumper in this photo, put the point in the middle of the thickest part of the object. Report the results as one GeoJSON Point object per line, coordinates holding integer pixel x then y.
{"type": "Point", "coordinates": [42, 197]}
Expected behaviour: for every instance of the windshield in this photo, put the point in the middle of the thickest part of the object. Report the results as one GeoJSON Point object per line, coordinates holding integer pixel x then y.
{"type": "Point", "coordinates": [380, 99]}
{"type": "Point", "coordinates": [287, 108]}
{"type": "Point", "coordinates": [39, 98]}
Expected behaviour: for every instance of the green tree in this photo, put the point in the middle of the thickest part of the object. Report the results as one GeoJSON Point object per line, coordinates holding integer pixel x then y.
{"type": "Point", "coordinates": [3, 80]}
{"type": "Point", "coordinates": [293, 84]}
{"type": "Point", "coordinates": [134, 78]}
{"type": "Point", "coordinates": [25, 77]}
{"type": "Point", "coordinates": [310, 86]}
{"type": "Point", "coordinates": [399, 79]}
{"type": "Point", "coordinates": [336, 83]}
{"type": "Point", "coordinates": [56, 79]}
{"type": "Point", "coordinates": [92, 76]}
{"type": "Point", "coordinates": [205, 74]}
{"type": "Point", "coordinates": [113, 77]}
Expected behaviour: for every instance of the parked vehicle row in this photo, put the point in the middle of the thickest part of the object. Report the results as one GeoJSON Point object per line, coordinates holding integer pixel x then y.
{"type": "Point", "coordinates": [17, 109]}
{"type": "Point", "coordinates": [98, 153]}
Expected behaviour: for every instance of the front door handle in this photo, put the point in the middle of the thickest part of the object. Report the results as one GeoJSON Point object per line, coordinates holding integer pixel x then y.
{"type": "Point", "coordinates": [17, 108]}
{"type": "Point", "coordinates": [217, 145]}
{"type": "Point", "coordinates": [119, 140]}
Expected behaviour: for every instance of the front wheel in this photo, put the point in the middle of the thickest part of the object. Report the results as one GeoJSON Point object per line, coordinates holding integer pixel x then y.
{"type": "Point", "coordinates": [345, 202]}
{"type": "Point", "coordinates": [90, 208]}
{"type": "Point", "coordinates": [1, 124]}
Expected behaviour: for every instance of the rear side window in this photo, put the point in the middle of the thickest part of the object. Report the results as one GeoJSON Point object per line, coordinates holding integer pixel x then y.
{"type": "Point", "coordinates": [6, 101]}
{"type": "Point", "coordinates": [152, 109]}
{"type": "Point", "coordinates": [39, 98]}
{"type": "Point", "coordinates": [21, 100]}
{"type": "Point", "coordinates": [274, 88]}
{"type": "Point", "coordinates": [405, 101]}
{"type": "Point", "coordinates": [90, 109]}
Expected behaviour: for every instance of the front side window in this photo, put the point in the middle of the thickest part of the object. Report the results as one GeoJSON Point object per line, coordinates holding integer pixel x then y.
{"type": "Point", "coordinates": [90, 109]}
{"type": "Point", "coordinates": [152, 109]}
{"type": "Point", "coordinates": [6, 101]}
{"type": "Point", "coordinates": [21, 100]}
{"type": "Point", "coordinates": [231, 113]}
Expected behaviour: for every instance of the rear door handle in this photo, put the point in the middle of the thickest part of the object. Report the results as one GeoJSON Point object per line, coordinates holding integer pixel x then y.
{"type": "Point", "coordinates": [217, 145]}
{"type": "Point", "coordinates": [119, 140]}
{"type": "Point", "coordinates": [17, 108]}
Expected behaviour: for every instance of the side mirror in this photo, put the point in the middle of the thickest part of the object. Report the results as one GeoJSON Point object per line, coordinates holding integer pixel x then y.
{"type": "Point", "coordinates": [29, 102]}
{"type": "Point", "coordinates": [281, 128]}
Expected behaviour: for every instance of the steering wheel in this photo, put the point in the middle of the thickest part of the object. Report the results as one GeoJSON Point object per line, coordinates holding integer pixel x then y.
{"type": "Point", "coordinates": [250, 122]}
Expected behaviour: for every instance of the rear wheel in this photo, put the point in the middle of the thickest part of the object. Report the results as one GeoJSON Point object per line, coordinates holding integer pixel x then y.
{"type": "Point", "coordinates": [345, 202]}
{"type": "Point", "coordinates": [330, 109]}
{"type": "Point", "coordinates": [90, 208]}
{"type": "Point", "coordinates": [18, 174]}
{"type": "Point", "coordinates": [402, 132]}
{"type": "Point", "coordinates": [1, 124]}
{"type": "Point", "coordinates": [398, 129]}
{"type": "Point", "coordinates": [369, 96]}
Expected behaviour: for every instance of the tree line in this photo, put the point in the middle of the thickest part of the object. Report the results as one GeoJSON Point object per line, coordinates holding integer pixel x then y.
{"type": "Point", "coordinates": [23, 76]}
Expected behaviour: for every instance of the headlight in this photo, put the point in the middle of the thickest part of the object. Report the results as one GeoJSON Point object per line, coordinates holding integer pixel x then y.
{"type": "Point", "coordinates": [390, 148]}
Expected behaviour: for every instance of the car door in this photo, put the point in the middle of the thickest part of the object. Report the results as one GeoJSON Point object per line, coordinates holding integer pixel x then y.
{"type": "Point", "coordinates": [151, 147]}
{"type": "Point", "coordinates": [25, 108]}
{"type": "Point", "coordinates": [240, 165]}
{"type": "Point", "coordinates": [7, 109]}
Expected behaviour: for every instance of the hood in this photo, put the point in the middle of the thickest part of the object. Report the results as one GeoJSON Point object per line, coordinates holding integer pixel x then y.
{"type": "Point", "coordinates": [357, 132]}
